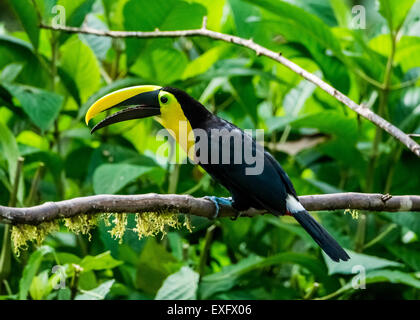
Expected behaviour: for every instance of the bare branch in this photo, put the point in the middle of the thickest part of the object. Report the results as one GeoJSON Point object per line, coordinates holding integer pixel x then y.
{"type": "Point", "coordinates": [259, 50]}
{"type": "Point", "coordinates": [194, 206]}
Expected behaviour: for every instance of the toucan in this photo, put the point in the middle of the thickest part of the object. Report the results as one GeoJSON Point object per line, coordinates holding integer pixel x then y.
{"type": "Point", "coordinates": [269, 189]}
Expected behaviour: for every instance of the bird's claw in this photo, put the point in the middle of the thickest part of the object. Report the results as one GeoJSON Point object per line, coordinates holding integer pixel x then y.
{"type": "Point", "coordinates": [217, 202]}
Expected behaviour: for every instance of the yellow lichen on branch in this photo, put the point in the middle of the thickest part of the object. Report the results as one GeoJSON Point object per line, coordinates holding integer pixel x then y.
{"type": "Point", "coordinates": [147, 224]}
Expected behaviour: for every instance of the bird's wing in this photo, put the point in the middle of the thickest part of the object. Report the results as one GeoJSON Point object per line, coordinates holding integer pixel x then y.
{"type": "Point", "coordinates": [267, 189]}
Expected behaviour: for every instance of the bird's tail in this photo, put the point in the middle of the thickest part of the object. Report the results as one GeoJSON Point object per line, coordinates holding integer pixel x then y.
{"type": "Point", "coordinates": [321, 236]}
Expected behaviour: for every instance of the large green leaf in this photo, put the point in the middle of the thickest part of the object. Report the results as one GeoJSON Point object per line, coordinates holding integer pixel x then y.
{"type": "Point", "coordinates": [299, 26]}
{"type": "Point", "coordinates": [143, 15]}
{"type": "Point", "coordinates": [181, 285]}
{"type": "Point", "coordinates": [384, 276]}
{"type": "Point", "coordinates": [405, 55]}
{"type": "Point", "coordinates": [98, 293]}
{"type": "Point", "coordinates": [79, 61]}
{"type": "Point", "coordinates": [408, 253]}
{"type": "Point", "coordinates": [343, 131]}
{"type": "Point", "coordinates": [10, 151]}
{"type": "Point", "coordinates": [243, 14]}
{"type": "Point", "coordinates": [161, 65]}
{"type": "Point", "coordinates": [26, 12]}
{"type": "Point", "coordinates": [410, 220]}
{"type": "Point", "coordinates": [40, 286]}
{"type": "Point", "coordinates": [229, 276]}
{"type": "Point", "coordinates": [100, 262]}
{"type": "Point", "coordinates": [75, 11]}
{"type": "Point", "coordinates": [154, 265]}
{"type": "Point", "coordinates": [296, 97]}
{"type": "Point", "coordinates": [342, 12]}
{"type": "Point", "coordinates": [41, 106]}
{"type": "Point", "coordinates": [14, 50]}
{"type": "Point", "coordinates": [111, 178]}
{"type": "Point", "coordinates": [31, 269]}
{"type": "Point", "coordinates": [10, 72]}
{"type": "Point", "coordinates": [357, 259]}
{"type": "Point", "coordinates": [395, 12]}
{"type": "Point", "coordinates": [99, 45]}
{"type": "Point", "coordinates": [304, 22]}
{"type": "Point", "coordinates": [203, 62]}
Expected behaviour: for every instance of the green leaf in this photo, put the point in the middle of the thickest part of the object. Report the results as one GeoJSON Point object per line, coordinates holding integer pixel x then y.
{"type": "Point", "coordinates": [408, 253]}
{"type": "Point", "coordinates": [31, 269]}
{"type": "Point", "coordinates": [410, 220]}
{"type": "Point", "coordinates": [68, 258]}
{"type": "Point", "coordinates": [203, 62]}
{"type": "Point", "coordinates": [342, 144]}
{"type": "Point", "coordinates": [299, 26]}
{"type": "Point", "coordinates": [393, 276]}
{"type": "Point", "coordinates": [40, 286]}
{"type": "Point", "coordinates": [41, 106]}
{"type": "Point", "coordinates": [76, 11]}
{"type": "Point", "coordinates": [99, 45]}
{"type": "Point", "coordinates": [80, 63]}
{"type": "Point", "coordinates": [395, 12]}
{"type": "Point", "coordinates": [293, 228]}
{"type": "Point", "coordinates": [10, 72]}
{"type": "Point", "coordinates": [342, 12]}
{"type": "Point", "coordinates": [111, 178]}
{"type": "Point", "coordinates": [229, 276]}
{"type": "Point", "coordinates": [100, 262]}
{"type": "Point", "coordinates": [26, 12]}
{"type": "Point", "coordinates": [181, 285]}
{"type": "Point", "coordinates": [64, 294]}
{"type": "Point", "coordinates": [69, 84]}
{"type": "Point", "coordinates": [10, 151]}
{"type": "Point", "coordinates": [163, 65]}
{"type": "Point", "coordinates": [387, 276]}
{"type": "Point", "coordinates": [241, 13]}
{"type": "Point", "coordinates": [405, 55]}
{"type": "Point", "coordinates": [98, 293]}
{"type": "Point", "coordinates": [154, 265]}
{"type": "Point", "coordinates": [295, 99]}
{"type": "Point", "coordinates": [358, 259]}
{"type": "Point", "coordinates": [143, 15]}
{"type": "Point", "coordinates": [14, 50]}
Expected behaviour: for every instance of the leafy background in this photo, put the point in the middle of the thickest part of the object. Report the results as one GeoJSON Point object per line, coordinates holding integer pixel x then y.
{"type": "Point", "coordinates": [49, 79]}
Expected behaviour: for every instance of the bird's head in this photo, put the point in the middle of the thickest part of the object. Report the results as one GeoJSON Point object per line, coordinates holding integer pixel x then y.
{"type": "Point", "coordinates": [168, 106]}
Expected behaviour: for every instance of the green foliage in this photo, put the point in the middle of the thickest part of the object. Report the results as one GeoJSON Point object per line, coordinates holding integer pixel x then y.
{"type": "Point", "coordinates": [180, 285]}
{"type": "Point", "coordinates": [49, 79]}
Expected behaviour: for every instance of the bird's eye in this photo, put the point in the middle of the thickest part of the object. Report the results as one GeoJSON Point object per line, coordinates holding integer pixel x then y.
{"type": "Point", "coordinates": [163, 99]}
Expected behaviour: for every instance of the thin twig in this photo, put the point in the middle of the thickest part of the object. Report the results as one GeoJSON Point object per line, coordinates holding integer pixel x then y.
{"type": "Point", "coordinates": [186, 204]}
{"type": "Point", "coordinates": [259, 50]}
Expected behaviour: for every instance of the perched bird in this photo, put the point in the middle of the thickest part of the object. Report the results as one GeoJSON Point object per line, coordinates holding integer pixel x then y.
{"type": "Point", "coordinates": [261, 184]}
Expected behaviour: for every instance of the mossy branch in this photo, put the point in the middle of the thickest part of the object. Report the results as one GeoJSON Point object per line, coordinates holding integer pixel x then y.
{"type": "Point", "coordinates": [172, 203]}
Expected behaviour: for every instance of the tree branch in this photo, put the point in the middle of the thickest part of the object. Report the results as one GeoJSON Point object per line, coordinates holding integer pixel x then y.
{"type": "Point", "coordinates": [194, 206]}
{"type": "Point", "coordinates": [259, 50]}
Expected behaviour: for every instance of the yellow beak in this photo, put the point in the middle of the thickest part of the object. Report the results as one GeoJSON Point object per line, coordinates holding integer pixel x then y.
{"type": "Point", "coordinates": [117, 98]}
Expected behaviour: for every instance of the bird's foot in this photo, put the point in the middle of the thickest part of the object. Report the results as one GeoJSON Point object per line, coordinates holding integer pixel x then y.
{"type": "Point", "coordinates": [217, 202]}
